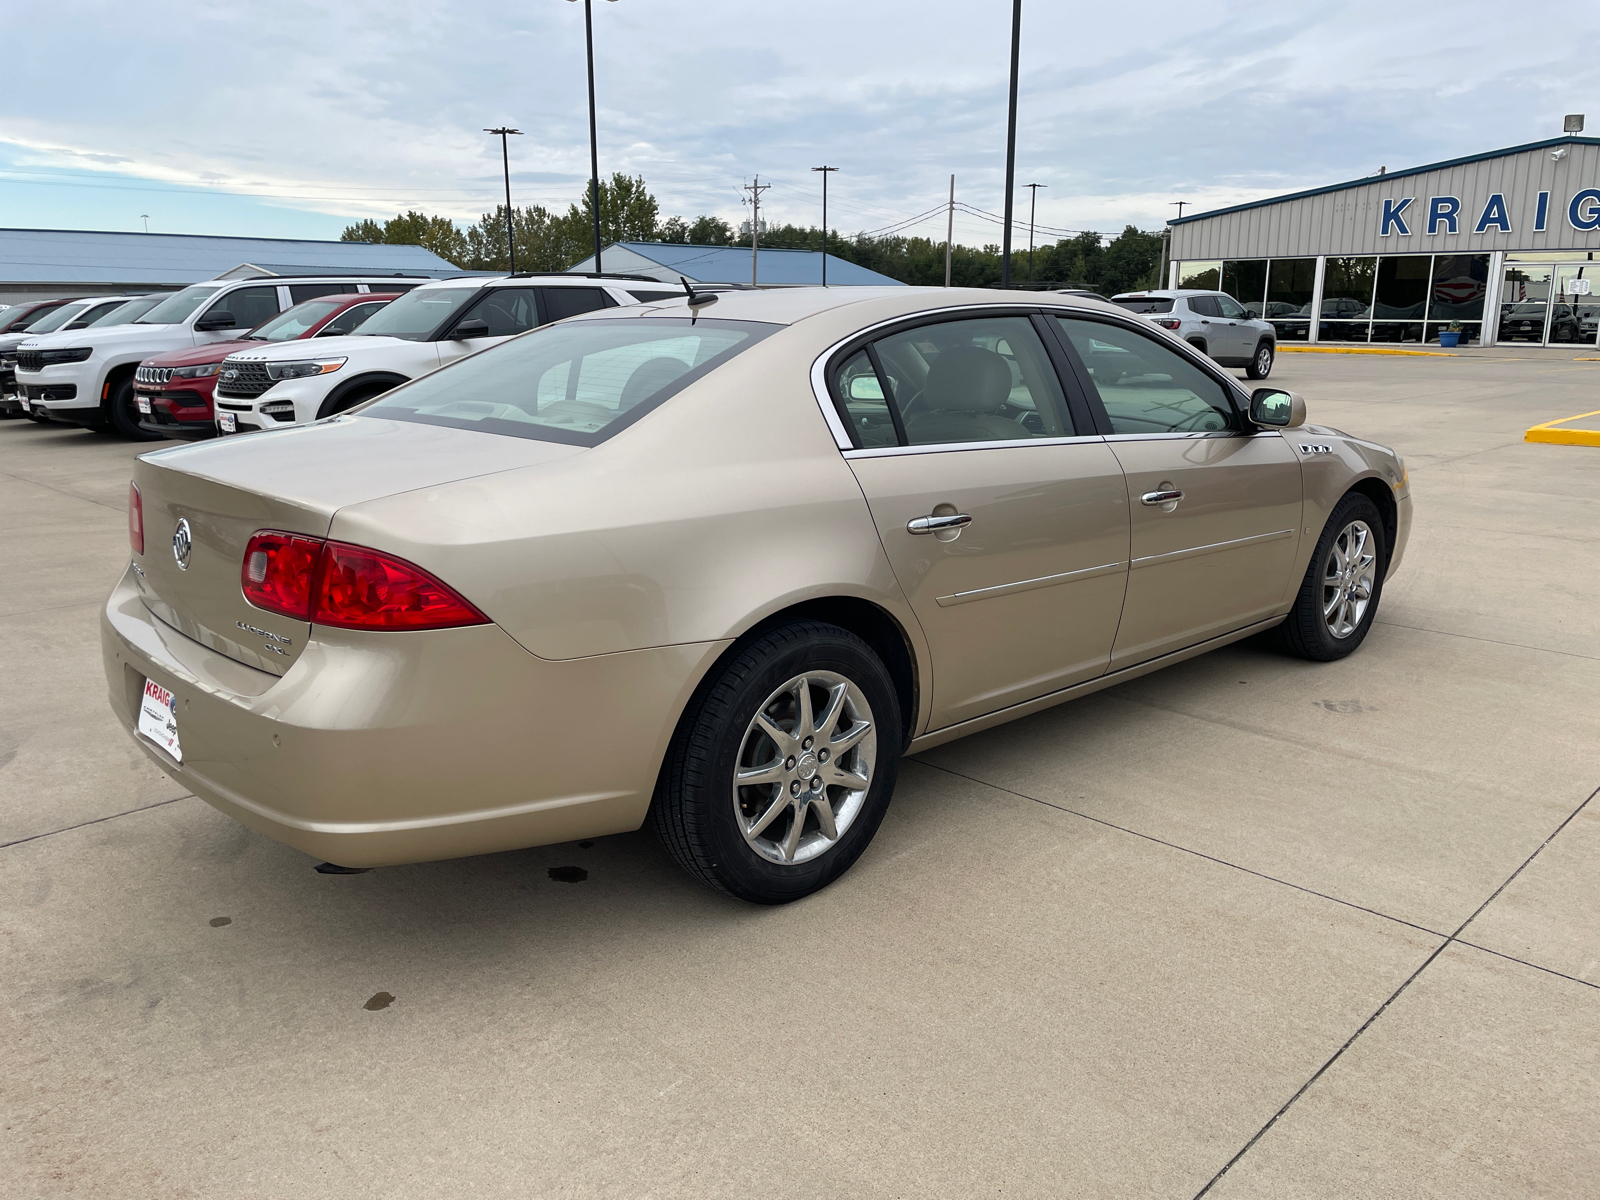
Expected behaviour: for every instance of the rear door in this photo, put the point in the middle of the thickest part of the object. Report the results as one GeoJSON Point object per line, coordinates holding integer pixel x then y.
{"type": "Point", "coordinates": [1006, 525]}
{"type": "Point", "coordinates": [1215, 505]}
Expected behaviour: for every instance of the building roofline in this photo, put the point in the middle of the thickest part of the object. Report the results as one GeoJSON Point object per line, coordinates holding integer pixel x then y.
{"type": "Point", "coordinates": [206, 237]}
{"type": "Point", "coordinates": [1365, 181]}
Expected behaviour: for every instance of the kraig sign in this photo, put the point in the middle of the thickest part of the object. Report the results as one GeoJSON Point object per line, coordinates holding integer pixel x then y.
{"type": "Point", "coordinates": [1444, 214]}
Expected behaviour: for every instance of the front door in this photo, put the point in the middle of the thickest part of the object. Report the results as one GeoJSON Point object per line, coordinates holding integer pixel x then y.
{"type": "Point", "coordinates": [1524, 303]}
{"type": "Point", "coordinates": [1241, 335]}
{"type": "Point", "coordinates": [1574, 305]}
{"type": "Point", "coordinates": [1007, 530]}
{"type": "Point", "coordinates": [1215, 506]}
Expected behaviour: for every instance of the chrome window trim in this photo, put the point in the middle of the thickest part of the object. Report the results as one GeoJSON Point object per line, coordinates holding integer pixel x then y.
{"type": "Point", "coordinates": [819, 368]}
{"type": "Point", "coordinates": [1191, 435]}
{"type": "Point", "coordinates": [956, 447]}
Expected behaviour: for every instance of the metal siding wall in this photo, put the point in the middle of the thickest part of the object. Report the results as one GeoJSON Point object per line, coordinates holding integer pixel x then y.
{"type": "Point", "coordinates": [1345, 222]}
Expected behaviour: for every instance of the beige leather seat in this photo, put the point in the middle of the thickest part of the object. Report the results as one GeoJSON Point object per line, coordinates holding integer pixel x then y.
{"type": "Point", "coordinates": [962, 398]}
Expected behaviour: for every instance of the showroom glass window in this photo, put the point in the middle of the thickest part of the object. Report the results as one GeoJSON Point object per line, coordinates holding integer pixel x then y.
{"type": "Point", "coordinates": [1147, 387]}
{"type": "Point", "coordinates": [1401, 298]}
{"type": "Point", "coordinates": [1246, 281]}
{"type": "Point", "coordinates": [1291, 283]}
{"type": "Point", "coordinates": [1200, 276]}
{"type": "Point", "coordinates": [1347, 285]}
{"type": "Point", "coordinates": [1456, 294]}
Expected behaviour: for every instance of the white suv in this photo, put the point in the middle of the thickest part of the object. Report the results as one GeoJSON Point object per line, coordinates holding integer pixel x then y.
{"type": "Point", "coordinates": [275, 386]}
{"type": "Point", "coordinates": [86, 377]}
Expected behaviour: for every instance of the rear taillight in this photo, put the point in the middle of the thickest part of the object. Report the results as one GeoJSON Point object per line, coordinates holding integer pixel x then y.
{"type": "Point", "coordinates": [279, 572]}
{"type": "Point", "coordinates": [352, 587]}
{"type": "Point", "coordinates": [135, 519]}
{"type": "Point", "coordinates": [1169, 322]}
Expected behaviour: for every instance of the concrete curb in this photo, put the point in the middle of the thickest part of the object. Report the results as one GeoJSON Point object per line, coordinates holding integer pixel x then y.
{"type": "Point", "coordinates": [1363, 350]}
{"type": "Point", "coordinates": [1549, 434]}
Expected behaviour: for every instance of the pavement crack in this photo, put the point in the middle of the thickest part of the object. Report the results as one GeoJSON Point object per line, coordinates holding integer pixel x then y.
{"type": "Point", "coordinates": [1524, 962]}
{"type": "Point", "coordinates": [1395, 995]}
{"type": "Point", "coordinates": [1490, 641]}
{"type": "Point", "coordinates": [97, 821]}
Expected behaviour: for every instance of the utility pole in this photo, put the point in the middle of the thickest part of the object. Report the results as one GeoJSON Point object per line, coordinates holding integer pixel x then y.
{"type": "Point", "coordinates": [1180, 204]}
{"type": "Point", "coordinates": [826, 171]}
{"type": "Point", "coordinates": [1033, 202]}
{"type": "Point", "coordinates": [145, 217]}
{"type": "Point", "coordinates": [505, 160]}
{"type": "Point", "coordinates": [949, 230]}
{"type": "Point", "coordinates": [1011, 139]}
{"type": "Point", "coordinates": [755, 189]}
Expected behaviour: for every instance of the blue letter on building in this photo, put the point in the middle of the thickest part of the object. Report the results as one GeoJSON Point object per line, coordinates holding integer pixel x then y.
{"type": "Point", "coordinates": [1584, 211]}
{"type": "Point", "coordinates": [1494, 216]}
{"type": "Point", "coordinates": [1542, 213]}
{"type": "Point", "coordinates": [1443, 209]}
{"type": "Point", "coordinates": [1393, 221]}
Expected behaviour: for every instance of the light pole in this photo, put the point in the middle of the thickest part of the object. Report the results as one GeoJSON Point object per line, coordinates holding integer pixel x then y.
{"type": "Point", "coordinates": [505, 159]}
{"type": "Point", "coordinates": [1011, 139]}
{"type": "Point", "coordinates": [826, 171]}
{"type": "Point", "coordinates": [1033, 203]}
{"type": "Point", "coordinates": [594, 142]}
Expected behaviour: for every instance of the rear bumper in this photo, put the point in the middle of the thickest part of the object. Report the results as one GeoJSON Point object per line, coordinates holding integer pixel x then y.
{"type": "Point", "coordinates": [383, 748]}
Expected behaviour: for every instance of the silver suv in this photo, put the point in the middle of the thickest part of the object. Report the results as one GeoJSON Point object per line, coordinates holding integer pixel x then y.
{"type": "Point", "coordinates": [1212, 322]}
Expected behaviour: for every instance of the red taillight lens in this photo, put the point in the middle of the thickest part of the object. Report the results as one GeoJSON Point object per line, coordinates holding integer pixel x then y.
{"type": "Point", "coordinates": [363, 589]}
{"type": "Point", "coordinates": [135, 519]}
{"type": "Point", "coordinates": [352, 587]}
{"type": "Point", "coordinates": [279, 572]}
{"type": "Point", "coordinates": [1170, 323]}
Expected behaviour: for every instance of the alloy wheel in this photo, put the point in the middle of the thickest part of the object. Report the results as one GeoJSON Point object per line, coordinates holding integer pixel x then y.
{"type": "Point", "coordinates": [804, 767]}
{"type": "Point", "coordinates": [1348, 579]}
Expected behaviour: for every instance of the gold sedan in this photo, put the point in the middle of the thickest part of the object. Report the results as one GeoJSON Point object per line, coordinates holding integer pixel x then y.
{"type": "Point", "coordinates": [718, 565]}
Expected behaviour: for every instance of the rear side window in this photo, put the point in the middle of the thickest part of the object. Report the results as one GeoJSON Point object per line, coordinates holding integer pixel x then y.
{"type": "Point", "coordinates": [1205, 306]}
{"type": "Point", "coordinates": [569, 302]}
{"type": "Point", "coordinates": [1144, 305]}
{"type": "Point", "coordinates": [577, 383]}
{"type": "Point", "coordinates": [1147, 387]}
{"type": "Point", "coordinates": [310, 291]}
{"type": "Point", "coordinates": [866, 409]}
{"type": "Point", "coordinates": [647, 296]}
{"type": "Point", "coordinates": [250, 306]}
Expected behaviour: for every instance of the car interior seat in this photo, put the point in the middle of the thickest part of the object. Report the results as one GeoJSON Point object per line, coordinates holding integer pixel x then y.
{"type": "Point", "coordinates": [961, 399]}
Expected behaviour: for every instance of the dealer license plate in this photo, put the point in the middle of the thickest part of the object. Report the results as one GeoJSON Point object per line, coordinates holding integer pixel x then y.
{"type": "Point", "coordinates": [144, 404]}
{"type": "Point", "coordinates": [227, 422]}
{"type": "Point", "coordinates": [158, 718]}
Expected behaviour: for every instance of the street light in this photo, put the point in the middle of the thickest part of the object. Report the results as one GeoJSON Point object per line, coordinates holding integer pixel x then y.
{"type": "Point", "coordinates": [1011, 139]}
{"type": "Point", "coordinates": [505, 159]}
{"type": "Point", "coordinates": [594, 144]}
{"type": "Point", "coordinates": [1033, 204]}
{"type": "Point", "coordinates": [826, 171]}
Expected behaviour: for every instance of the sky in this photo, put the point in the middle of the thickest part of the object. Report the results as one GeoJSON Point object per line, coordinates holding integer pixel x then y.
{"type": "Point", "coordinates": [294, 119]}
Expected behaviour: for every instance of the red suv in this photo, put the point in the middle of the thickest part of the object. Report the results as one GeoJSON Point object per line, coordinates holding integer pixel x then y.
{"type": "Point", "coordinates": [173, 391]}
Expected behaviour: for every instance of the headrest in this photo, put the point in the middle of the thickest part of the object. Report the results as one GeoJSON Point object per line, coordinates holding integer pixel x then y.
{"type": "Point", "coordinates": [648, 378]}
{"type": "Point", "coordinates": [967, 379]}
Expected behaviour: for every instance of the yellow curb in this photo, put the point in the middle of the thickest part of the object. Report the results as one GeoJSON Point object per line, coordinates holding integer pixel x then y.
{"type": "Point", "coordinates": [1363, 350]}
{"type": "Point", "coordinates": [1565, 437]}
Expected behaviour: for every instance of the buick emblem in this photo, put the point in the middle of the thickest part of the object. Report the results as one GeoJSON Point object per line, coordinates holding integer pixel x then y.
{"type": "Point", "coordinates": [182, 543]}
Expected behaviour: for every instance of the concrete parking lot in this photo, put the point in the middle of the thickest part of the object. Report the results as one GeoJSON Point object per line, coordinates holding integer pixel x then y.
{"type": "Point", "coordinates": [1252, 925]}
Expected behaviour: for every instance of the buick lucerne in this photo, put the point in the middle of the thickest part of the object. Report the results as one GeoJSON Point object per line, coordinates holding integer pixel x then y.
{"type": "Point", "coordinates": [717, 563]}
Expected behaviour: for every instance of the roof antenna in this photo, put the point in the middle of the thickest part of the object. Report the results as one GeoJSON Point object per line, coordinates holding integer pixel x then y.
{"type": "Point", "coordinates": [695, 300]}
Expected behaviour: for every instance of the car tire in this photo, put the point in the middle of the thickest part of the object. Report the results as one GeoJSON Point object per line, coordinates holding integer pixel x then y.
{"type": "Point", "coordinates": [1338, 598]}
{"type": "Point", "coordinates": [120, 414]}
{"type": "Point", "coordinates": [1261, 362]}
{"type": "Point", "coordinates": [768, 841]}
{"type": "Point", "coordinates": [333, 406]}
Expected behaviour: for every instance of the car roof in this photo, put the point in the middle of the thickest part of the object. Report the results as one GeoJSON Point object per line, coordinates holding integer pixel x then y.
{"type": "Point", "coordinates": [1167, 294]}
{"type": "Point", "coordinates": [788, 305]}
{"type": "Point", "coordinates": [528, 279]}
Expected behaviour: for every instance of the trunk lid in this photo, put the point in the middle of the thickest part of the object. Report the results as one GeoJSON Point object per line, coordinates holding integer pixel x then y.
{"type": "Point", "coordinates": [215, 495]}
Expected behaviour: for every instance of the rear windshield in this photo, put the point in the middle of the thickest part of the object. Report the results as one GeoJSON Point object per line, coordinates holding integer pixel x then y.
{"type": "Point", "coordinates": [180, 306]}
{"type": "Point", "coordinates": [1145, 304]}
{"type": "Point", "coordinates": [132, 310]}
{"type": "Point", "coordinates": [578, 382]}
{"type": "Point", "coordinates": [417, 315]}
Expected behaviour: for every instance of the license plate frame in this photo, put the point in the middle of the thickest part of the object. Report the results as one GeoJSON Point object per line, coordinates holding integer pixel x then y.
{"type": "Point", "coordinates": [227, 422]}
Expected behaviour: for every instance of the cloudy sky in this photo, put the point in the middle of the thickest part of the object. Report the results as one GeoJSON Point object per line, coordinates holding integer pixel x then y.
{"type": "Point", "coordinates": [290, 119]}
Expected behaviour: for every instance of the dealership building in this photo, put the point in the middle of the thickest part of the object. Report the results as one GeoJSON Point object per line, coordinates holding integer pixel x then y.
{"type": "Point", "coordinates": [1504, 245]}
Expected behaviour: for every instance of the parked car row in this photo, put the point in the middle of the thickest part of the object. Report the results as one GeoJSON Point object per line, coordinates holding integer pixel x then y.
{"type": "Point", "coordinates": [226, 356]}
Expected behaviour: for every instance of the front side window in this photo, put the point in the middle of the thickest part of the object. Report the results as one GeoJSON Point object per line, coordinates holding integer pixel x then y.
{"type": "Point", "coordinates": [577, 383]}
{"type": "Point", "coordinates": [419, 315]}
{"type": "Point", "coordinates": [350, 318]}
{"type": "Point", "coordinates": [180, 306]}
{"type": "Point", "coordinates": [248, 306]}
{"type": "Point", "coordinates": [1231, 309]}
{"type": "Point", "coordinates": [53, 321]}
{"type": "Point", "coordinates": [1146, 387]}
{"type": "Point", "coordinates": [507, 312]}
{"type": "Point", "coordinates": [984, 379]}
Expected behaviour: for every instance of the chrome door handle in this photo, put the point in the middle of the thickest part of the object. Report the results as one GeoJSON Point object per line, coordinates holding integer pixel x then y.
{"type": "Point", "coordinates": [935, 524]}
{"type": "Point", "coordinates": [1170, 496]}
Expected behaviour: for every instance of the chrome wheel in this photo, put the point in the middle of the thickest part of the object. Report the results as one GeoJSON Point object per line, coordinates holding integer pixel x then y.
{"type": "Point", "coordinates": [1263, 362]}
{"type": "Point", "coordinates": [804, 767]}
{"type": "Point", "coordinates": [1348, 579]}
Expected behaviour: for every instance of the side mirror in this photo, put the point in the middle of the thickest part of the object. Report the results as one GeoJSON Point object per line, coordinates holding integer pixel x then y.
{"type": "Point", "coordinates": [471, 329]}
{"type": "Point", "coordinates": [1277, 408]}
{"type": "Point", "coordinates": [216, 320]}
